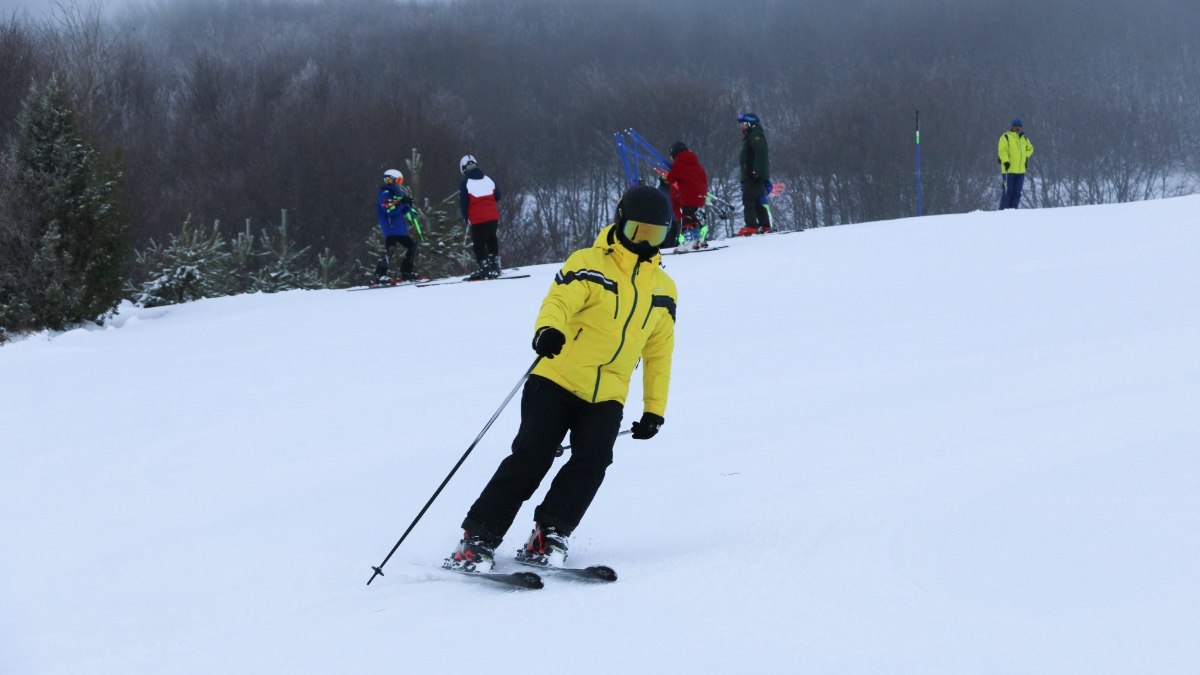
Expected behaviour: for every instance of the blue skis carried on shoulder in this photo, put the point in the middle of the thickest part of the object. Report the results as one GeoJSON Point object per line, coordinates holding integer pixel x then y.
{"type": "Point", "coordinates": [634, 150]}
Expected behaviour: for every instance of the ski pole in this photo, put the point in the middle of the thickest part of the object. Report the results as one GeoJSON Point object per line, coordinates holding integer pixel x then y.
{"type": "Point", "coordinates": [378, 571]}
{"type": "Point", "coordinates": [563, 448]}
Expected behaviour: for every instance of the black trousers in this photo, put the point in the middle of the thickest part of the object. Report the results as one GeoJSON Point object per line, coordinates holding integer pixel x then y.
{"type": "Point", "coordinates": [484, 241]}
{"type": "Point", "coordinates": [754, 213]}
{"type": "Point", "coordinates": [410, 255]}
{"type": "Point", "coordinates": [548, 412]}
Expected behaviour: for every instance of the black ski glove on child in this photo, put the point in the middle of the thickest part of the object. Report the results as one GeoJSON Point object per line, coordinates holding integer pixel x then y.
{"type": "Point", "coordinates": [548, 341]}
{"type": "Point", "coordinates": [647, 426]}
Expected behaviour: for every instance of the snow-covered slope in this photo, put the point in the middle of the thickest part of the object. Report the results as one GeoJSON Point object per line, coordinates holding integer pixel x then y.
{"type": "Point", "coordinates": [955, 444]}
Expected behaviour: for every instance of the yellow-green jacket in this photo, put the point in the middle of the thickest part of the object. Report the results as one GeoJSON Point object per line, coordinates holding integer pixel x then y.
{"type": "Point", "coordinates": [613, 310]}
{"type": "Point", "coordinates": [1015, 149]}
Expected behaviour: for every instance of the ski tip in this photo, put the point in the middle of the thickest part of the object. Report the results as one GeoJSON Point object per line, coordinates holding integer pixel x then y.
{"type": "Point", "coordinates": [529, 580]}
{"type": "Point", "coordinates": [603, 572]}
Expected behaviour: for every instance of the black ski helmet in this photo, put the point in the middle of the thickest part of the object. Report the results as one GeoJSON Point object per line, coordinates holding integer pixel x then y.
{"type": "Point", "coordinates": [677, 148]}
{"type": "Point", "coordinates": [644, 204]}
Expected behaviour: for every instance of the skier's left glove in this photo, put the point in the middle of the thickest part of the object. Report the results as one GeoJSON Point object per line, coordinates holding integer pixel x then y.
{"type": "Point", "coordinates": [647, 426]}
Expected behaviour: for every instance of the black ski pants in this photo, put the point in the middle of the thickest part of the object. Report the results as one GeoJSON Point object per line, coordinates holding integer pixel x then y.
{"type": "Point", "coordinates": [548, 412]}
{"type": "Point", "coordinates": [410, 255]}
{"type": "Point", "coordinates": [754, 212]}
{"type": "Point", "coordinates": [484, 241]}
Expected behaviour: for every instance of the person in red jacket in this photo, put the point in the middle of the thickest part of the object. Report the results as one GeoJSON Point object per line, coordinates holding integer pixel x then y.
{"type": "Point", "coordinates": [478, 200]}
{"type": "Point", "coordinates": [689, 193]}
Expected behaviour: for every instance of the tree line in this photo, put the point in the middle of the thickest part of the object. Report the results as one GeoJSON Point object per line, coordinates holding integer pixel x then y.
{"type": "Point", "coordinates": [236, 111]}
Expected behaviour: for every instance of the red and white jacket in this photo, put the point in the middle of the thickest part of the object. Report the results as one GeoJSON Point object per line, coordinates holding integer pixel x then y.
{"type": "Point", "coordinates": [478, 197]}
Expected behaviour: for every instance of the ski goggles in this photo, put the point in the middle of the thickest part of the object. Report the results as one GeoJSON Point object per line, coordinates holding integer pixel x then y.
{"type": "Point", "coordinates": [650, 233]}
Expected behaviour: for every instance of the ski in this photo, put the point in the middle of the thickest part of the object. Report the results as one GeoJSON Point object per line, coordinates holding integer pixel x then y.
{"type": "Point", "coordinates": [446, 282]}
{"type": "Point", "coordinates": [699, 250]}
{"type": "Point", "coordinates": [591, 573]}
{"type": "Point", "coordinates": [371, 287]}
{"type": "Point", "coordinates": [519, 580]}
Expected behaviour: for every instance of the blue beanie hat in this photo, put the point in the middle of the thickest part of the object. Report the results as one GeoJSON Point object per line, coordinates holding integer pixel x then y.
{"type": "Point", "coordinates": [1017, 122]}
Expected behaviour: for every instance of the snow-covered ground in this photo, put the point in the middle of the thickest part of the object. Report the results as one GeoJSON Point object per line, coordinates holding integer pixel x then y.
{"type": "Point", "coordinates": [955, 444]}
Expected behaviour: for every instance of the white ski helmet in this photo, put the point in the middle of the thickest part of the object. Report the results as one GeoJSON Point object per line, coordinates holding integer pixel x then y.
{"type": "Point", "coordinates": [394, 174]}
{"type": "Point", "coordinates": [467, 160]}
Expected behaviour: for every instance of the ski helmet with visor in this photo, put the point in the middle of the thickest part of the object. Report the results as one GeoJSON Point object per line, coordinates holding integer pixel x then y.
{"type": "Point", "coordinates": [643, 220]}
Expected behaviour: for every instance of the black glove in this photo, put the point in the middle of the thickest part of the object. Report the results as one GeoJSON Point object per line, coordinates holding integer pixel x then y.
{"type": "Point", "coordinates": [1006, 165]}
{"type": "Point", "coordinates": [647, 426]}
{"type": "Point", "coordinates": [548, 341]}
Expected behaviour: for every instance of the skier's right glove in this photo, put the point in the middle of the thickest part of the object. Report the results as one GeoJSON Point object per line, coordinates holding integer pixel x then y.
{"type": "Point", "coordinates": [1006, 165]}
{"type": "Point", "coordinates": [548, 341]}
{"type": "Point", "coordinates": [647, 426]}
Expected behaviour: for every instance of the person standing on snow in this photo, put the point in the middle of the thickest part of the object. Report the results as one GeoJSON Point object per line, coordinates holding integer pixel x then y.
{"type": "Point", "coordinates": [755, 174]}
{"type": "Point", "coordinates": [610, 306]}
{"type": "Point", "coordinates": [478, 197]}
{"type": "Point", "coordinates": [394, 208]}
{"type": "Point", "coordinates": [689, 193]}
{"type": "Point", "coordinates": [1014, 151]}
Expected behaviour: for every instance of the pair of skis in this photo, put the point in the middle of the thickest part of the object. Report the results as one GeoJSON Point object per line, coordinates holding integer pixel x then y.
{"type": "Point", "coordinates": [533, 581]}
{"type": "Point", "coordinates": [445, 282]}
{"type": "Point", "coordinates": [696, 250]}
{"type": "Point", "coordinates": [389, 284]}
{"type": "Point", "coordinates": [426, 281]}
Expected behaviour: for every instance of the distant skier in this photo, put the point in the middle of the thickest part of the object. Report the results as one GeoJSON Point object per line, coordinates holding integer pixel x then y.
{"type": "Point", "coordinates": [609, 307]}
{"type": "Point", "coordinates": [478, 200]}
{"type": "Point", "coordinates": [1014, 151]}
{"type": "Point", "coordinates": [394, 208]}
{"type": "Point", "coordinates": [755, 174]}
{"type": "Point", "coordinates": [689, 193]}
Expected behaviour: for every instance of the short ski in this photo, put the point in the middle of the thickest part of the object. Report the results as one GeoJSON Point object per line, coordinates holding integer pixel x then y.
{"type": "Point", "coordinates": [520, 580]}
{"type": "Point", "coordinates": [592, 573]}
{"type": "Point", "coordinates": [446, 282]}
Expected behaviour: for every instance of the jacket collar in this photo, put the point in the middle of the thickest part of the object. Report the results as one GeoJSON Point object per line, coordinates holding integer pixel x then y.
{"type": "Point", "coordinates": [625, 259]}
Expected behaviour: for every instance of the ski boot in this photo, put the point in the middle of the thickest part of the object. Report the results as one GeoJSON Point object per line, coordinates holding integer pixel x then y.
{"type": "Point", "coordinates": [765, 229]}
{"type": "Point", "coordinates": [747, 231]}
{"type": "Point", "coordinates": [479, 274]}
{"type": "Point", "coordinates": [546, 548]}
{"type": "Point", "coordinates": [493, 266]}
{"type": "Point", "coordinates": [472, 555]}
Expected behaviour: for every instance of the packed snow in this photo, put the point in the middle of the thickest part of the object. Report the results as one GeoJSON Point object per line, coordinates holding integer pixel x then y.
{"type": "Point", "coordinates": [952, 444]}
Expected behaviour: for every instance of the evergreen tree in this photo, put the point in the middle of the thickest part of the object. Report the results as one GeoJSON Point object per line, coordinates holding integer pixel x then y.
{"type": "Point", "coordinates": [283, 264]}
{"type": "Point", "coordinates": [194, 264]}
{"type": "Point", "coordinates": [63, 239]}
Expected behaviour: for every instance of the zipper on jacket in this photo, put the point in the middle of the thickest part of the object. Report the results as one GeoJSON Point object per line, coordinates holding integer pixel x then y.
{"type": "Point", "coordinates": [624, 329]}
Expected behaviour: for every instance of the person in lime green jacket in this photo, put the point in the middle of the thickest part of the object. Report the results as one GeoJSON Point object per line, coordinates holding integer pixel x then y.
{"type": "Point", "coordinates": [610, 307]}
{"type": "Point", "coordinates": [1014, 151]}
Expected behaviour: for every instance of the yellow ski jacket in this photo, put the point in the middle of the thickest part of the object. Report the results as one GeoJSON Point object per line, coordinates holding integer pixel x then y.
{"type": "Point", "coordinates": [613, 310]}
{"type": "Point", "coordinates": [1014, 148]}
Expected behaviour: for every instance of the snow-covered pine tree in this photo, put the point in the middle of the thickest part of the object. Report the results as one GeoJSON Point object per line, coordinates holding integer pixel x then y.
{"type": "Point", "coordinates": [282, 264]}
{"type": "Point", "coordinates": [194, 264]}
{"type": "Point", "coordinates": [65, 240]}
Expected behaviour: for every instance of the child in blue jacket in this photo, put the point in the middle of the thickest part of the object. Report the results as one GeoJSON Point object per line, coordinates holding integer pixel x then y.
{"type": "Point", "coordinates": [394, 207]}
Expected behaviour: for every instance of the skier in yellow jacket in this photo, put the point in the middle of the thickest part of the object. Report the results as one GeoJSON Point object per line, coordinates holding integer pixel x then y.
{"type": "Point", "coordinates": [610, 306]}
{"type": "Point", "coordinates": [1014, 149]}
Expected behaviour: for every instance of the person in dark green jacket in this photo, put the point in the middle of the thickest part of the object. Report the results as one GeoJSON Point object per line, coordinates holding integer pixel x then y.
{"type": "Point", "coordinates": [755, 173]}
{"type": "Point", "coordinates": [1014, 150]}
